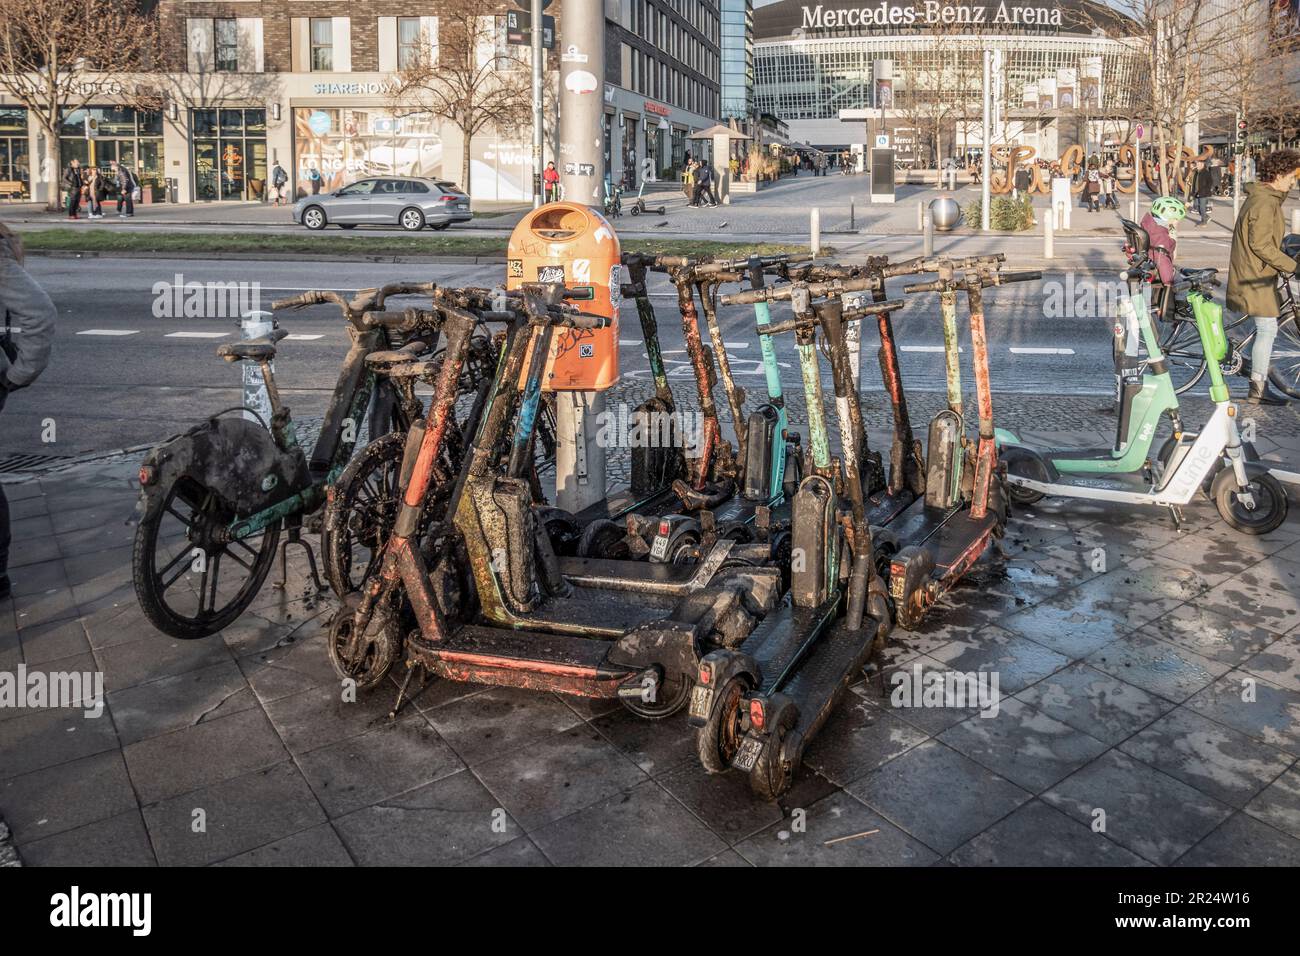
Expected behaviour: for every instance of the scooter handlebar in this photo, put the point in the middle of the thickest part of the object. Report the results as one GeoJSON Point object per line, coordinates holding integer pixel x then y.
{"type": "Point", "coordinates": [780, 293]}
{"type": "Point", "coordinates": [848, 315]}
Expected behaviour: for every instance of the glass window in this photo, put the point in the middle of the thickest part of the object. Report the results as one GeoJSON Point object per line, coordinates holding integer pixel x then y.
{"type": "Point", "coordinates": [322, 44]}
{"type": "Point", "coordinates": [232, 122]}
{"type": "Point", "coordinates": [13, 120]}
{"type": "Point", "coordinates": [204, 123]}
{"type": "Point", "coordinates": [408, 42]}
{"type": "Point", "coordinates": [255, 122]}
{"type": "Point", "coordinates": [226, 38]}
{"type": "Point", "coordinates": [363, 188]}
{"type": "Point", "coordinates": [411, 186]}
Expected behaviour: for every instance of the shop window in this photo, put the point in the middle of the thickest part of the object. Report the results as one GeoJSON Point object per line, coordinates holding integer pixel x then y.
{"type": "Point", "coordinates": [322, 44]}
{"type": "Point", "coordinates": [226, 41]}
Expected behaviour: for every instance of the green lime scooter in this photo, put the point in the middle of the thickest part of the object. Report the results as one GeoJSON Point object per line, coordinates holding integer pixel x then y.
{"type": "Point", "coordinates": [1246, 495]}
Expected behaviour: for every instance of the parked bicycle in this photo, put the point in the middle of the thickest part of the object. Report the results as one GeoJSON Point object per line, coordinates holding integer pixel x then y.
{"type": "Point", "coordinates": [214, 500]}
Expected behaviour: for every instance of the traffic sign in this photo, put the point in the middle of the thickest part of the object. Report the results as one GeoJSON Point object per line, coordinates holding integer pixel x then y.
{"type": "Point", "coordinates": [519, 30]}
{"type": "Point", "coordinates": [882, 141]}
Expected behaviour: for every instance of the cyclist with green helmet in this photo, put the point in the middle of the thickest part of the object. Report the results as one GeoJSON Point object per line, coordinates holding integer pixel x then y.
{"type": "Point", "coordinates": [1257, 260]}
{"type": "Point", "coordinates": [1166, 211]}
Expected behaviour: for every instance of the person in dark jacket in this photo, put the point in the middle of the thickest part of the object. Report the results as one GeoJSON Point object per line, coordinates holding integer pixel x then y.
{"type": "Point", "coordinates": [704, 185]}
{"type": "Point", "coordinates": [28, 311]}
{"type": "Point", "coordinates": [72, 183]}
{"type": "Point", "coordinates": [1256, 261]}
{"type": "Point", "coordinates": [1202, 190]}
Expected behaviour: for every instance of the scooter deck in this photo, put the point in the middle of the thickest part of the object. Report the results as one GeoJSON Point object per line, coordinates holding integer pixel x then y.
{"type": "Point", "coordinates": [950, 536]}
{"type": "Point", "coordinates": [623, 503]}
{"type": "Point", "coordinates": [822, 677]}
{"type": "Point", "coordinates": [644, 577]}
{"type": "Point", "coordinates": [591, 614]}
{"type": "Point", "coordinates": [530, 659]}
{"type": "Point", "coordinates": [784, 637]}
{"type": "Point", "coordinates": [743, 510]}
{"type": "Point", "coordinates": [884, 507]}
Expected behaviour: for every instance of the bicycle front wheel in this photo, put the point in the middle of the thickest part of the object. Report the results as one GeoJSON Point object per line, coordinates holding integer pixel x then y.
{"type": "Point", "coordinates": [1284, 369]}
{"type": "Point", "coordinates": [1184, 354]}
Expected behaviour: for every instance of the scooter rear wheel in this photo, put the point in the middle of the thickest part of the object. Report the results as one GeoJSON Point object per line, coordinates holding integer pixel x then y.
{"type": "Point", "coordinates": [674, 692]}
{"type": "Point", "coordinates": [772, 775]}
{"type": "Point", "coordinates": [1270, 502]}
{"type": "Point", "coordinates": [720, 737]}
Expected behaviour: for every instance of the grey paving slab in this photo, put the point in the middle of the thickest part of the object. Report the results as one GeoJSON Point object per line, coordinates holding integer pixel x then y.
{"type": "Point", "coordinates": [1160, 668]}
{"type": "Point", "coordinates": [156, 656]}
{"type": "Point", "coordinates": [1278, 664]}
{"type": "Point", "coordinates": [66, 796]}
{"type": "Point", "coordinates": [1145, 811]}
{"type": "Point", "coordinates": [54, 641]}
{"type": "Point", "coordinates": [27, 551]}
{"type": "Point", "coordinates": [858, 738]}
{"type": "Point", "coordinates": [937, 795]}
{"type": "Point", "coordinates": [315, 846]}
{"type": "Point", "coordinates": [72, 679]}
{"type": "Point", "coordinates": [382, 763]}
{"type": "Point", "coordinates": [291, 667]}
{"type": "Point", "coordinates": [554, 777]}
{"type": "Point", "coordinates": [1214, 759]}
{"type": "Point", "coordinates": [39, 576]}
{"type": "Point", "coordinates": [1016, 661]}
{"type": "Point", "coordinates": [47, 738]}
{"type": "Point", "coordinates": [172, 703]}
{"type": "Point", "coordinates": [485, 726]}
{"type": "Point", "coordinates": [1094, 702]}
{"type": "Point", "coordinates": [901, 689]}
{"type": "Point", "coordinates": [1278, 804]}
{"type": "Point", "coordinates": [323, 715]}
{"type": "Point", "coordinates": [1256, 707]}
{"type": "Point", "coordinates": [1244, 841]}
{"type": "Point", "coordinates": [1039, 835]}
{"type": "Point", "coordinates": [231, 816]}
{"type": "Point", "coordinates": [117, 841]}
{"type": "Point", "coordinates": [202, 755]}
{"type": "Point", "coordinates": [656, 746]}
{"type": "Point", "coordinates": [726, 858]}
{"type": "Point", "coordinates": [1204, 631]}
{"type": "Point", "coordinates": [1075, 623]}
{"type": "Point", "coordinates": [1267, 594]}
{"type": "Point", "coordinates": [518, 852]}
{"type": "Point", "coordinates": [446, 821]}
{"type": "Point", "coordinates": [835, 831]}
{"type": "Point", "coordinates": [641, 826]}
{"type": "Point", "coordinates": [1023, 745]}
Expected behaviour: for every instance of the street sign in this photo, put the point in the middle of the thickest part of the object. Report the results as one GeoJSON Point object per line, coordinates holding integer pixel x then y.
{"type": "Point", "coordinates": [882, 141]}
{"type": "Point", "coordinates": [1139, 131]}
{"type": "Point", "coordinates": [519, 30]}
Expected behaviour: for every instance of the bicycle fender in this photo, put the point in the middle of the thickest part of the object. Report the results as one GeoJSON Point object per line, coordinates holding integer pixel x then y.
{"type": "Point", "coordinates": [235, 458]}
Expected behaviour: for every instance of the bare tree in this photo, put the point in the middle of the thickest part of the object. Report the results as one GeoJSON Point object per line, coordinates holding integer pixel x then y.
{"type": "Point", "coordinates": [467, 76]}
{"type": "Point", "coordinates": [942, 81]}
{"type": "Point", "coordinates": [57, 57]}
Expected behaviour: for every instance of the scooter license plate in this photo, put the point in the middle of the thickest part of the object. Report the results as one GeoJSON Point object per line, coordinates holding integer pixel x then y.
{"type": "Point", "coordinates": [659, 550]}
{"type": "Point", "coordinates": [748, 753]}
{"type": "Point", "coordinates": [701, 701]}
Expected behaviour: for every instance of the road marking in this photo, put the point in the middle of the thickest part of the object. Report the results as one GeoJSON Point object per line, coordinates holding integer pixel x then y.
{"type": "Point", "coordinates": [736, 345]}
{"type": "Point", "coordinates": [196, 335]}
{"type": "Point", "coordinates": [1015, 350]}
{"type": "Point", "coordinates": [106, 331]}
{"type": "Point", "coordinates": [303, 337]}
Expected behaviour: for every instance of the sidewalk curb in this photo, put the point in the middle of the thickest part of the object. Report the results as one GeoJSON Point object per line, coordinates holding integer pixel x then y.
{"type": "Point", "coordinates": [262, 256]}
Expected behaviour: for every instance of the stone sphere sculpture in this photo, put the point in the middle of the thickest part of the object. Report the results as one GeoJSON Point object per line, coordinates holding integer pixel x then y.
{"type": "Point", "coordinates": [946, 213]}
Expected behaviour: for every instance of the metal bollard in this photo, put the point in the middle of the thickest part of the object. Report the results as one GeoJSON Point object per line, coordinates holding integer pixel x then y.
{"type": "Point", "coordinates": [1295, 221]}
{"type": "Point", "coordinates": [1048, 252]}
{"type": "Point", "coordinates": [815, 228]}
{"type": "Point", "coordinates": [853, 219]}
{"type": "Point", "coordinates": [927, 235]}
{"type": "Point", "coordinates": [254, 325]}
{"type": "Point", "coordinates": [920, 216]}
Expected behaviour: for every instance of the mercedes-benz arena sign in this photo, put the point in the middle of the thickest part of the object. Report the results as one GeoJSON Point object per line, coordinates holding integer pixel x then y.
{"type": "Point", "coordinates": [792, 19]}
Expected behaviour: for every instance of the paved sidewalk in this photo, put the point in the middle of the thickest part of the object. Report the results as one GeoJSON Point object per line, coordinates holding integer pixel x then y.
{"type": "Point", "coordinates": [1150, 683]}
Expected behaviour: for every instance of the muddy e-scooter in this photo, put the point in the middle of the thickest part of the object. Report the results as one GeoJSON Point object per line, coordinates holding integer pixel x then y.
{"type": "Point", "coordinates": [1246, 495]}
{"type": "Point", "coordinates": [757, 706]}
{"type": "Point", "coordinates": [532, 629]}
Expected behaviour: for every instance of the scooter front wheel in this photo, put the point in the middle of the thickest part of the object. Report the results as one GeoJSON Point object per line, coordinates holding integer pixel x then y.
{"type": "Point", "coordinates": [1023, 496]}
{"type": "Point", "coordinates": [720, 737]}
{"type": "Point", "coordinates": [672, 694]}
{"type": "Point", "coordinates": [370, 661]}
{"type": "Point", "coordinates": [1270, 504]}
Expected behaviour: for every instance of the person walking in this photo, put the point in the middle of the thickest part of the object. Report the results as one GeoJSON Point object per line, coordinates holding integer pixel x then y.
{"type": "Point", "coordinates": [551, 182]}
{"type": "Point", "coordinates": [126, 186]}
{"type": "Point", "coordinates": [1257, 260]}
{"type": "Point", "coordinates": [24, 350]}
{"type": "Point", "coordinates": [704, 185]}
{"type": "Point", "coordinates": [1108, 185]}
{"type": "Point", "coordinates": [72, 183]}
{"type": "Point", "coordinates": [96, 191]}
{"type": "Point", "coordinates": [279, 179]}
{"type": "Point", "coordinates": [1202, 190]}
{"type": "Point", "coordinates": [1092, 187]}
{"type": "Point", "coordinates": [315, 179]}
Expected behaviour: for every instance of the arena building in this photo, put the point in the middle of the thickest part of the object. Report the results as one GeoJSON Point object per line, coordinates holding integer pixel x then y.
{"type": "Point", "coordinates": [1067, 73]}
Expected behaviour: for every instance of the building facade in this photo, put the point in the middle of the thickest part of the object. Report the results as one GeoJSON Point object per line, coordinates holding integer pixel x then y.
{"type": "Point", "coordinates": [315, 86]}
{"type": "Point", "coordinates": [737, 59]}
{"type": "Point", "coordinates": [921, 62]}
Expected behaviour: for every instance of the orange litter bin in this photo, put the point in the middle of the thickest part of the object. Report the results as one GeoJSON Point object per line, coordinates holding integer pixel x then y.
{"type": "Point", "coordinates": [573, 244]}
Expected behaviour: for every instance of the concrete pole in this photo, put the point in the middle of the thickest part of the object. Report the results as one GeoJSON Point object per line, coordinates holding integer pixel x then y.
{"type": "Point", "coordinates": [1295, 221]}
{"type": "Point", "coordinates": [1048, 251]}
{"type": "Point", "coordinates": [986, 160]}
{"type": "Point", "coordinates": [927, 236]}
{"type": "Point", "coordinates": [815, 230]}
{"type": "Point", "coordinates": [579, 458]}
{"type": "Point", "coordinates": [539, 122]}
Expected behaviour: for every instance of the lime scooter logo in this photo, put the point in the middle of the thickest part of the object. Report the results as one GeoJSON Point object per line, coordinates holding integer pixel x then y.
{"type": "Point", "coordinates": [1147, 431]}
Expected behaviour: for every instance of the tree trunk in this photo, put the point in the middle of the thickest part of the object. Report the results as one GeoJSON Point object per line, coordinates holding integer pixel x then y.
{"type": "Point", "coordinates": [53, 173]}
{"type": "Point", "coordinates": [466, 136]}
